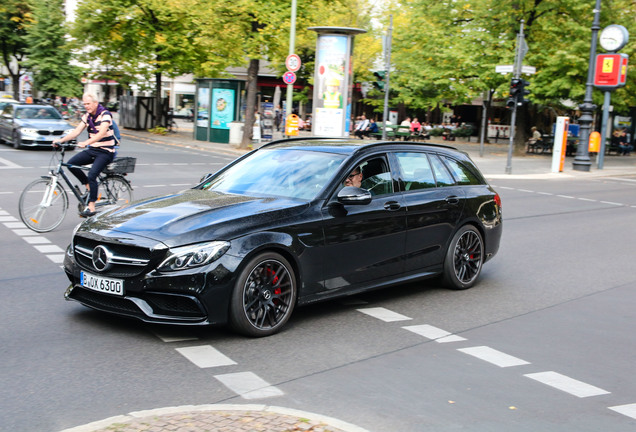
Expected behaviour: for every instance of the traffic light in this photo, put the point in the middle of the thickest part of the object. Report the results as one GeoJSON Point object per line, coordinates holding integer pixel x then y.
{"type": "Point", "coordinates": [518, 92]}
{"type": "Point", "coordinates": [523, 92]}
{"type": "Point", "coordinates": [380, 76]}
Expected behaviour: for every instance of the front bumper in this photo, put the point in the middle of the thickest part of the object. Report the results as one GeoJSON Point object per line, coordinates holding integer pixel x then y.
{"type": "Point", "coordinates": [195, 297]}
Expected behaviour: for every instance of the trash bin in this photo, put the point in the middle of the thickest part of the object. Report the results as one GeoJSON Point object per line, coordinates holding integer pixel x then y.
{"type": "Point", "coordinates": [236, 132]}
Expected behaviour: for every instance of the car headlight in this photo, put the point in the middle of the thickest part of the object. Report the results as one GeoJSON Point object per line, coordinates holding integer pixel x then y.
{"type": "Point", "coordinates": [197, 255]}
{"type": "Point", "coordinates": [29, 131]}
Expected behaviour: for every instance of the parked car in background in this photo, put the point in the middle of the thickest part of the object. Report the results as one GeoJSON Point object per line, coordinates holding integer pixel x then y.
{"type": "Point", "coordinates": [29, 125]}
{"type": "Point", "coordinates": [6, 101]}
{"type": "Point", "coordinates": [278, 228]}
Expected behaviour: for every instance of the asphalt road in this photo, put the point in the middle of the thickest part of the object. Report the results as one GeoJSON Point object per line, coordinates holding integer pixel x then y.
{"type": "Point", "coordinates": [543, 343]}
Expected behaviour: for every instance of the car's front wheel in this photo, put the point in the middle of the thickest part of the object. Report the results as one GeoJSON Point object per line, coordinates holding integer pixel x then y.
{"type": "Point", "coordinates": [16, 140]}
{"type": "Point", "coordinates": [264, 296]}
{"type": "Point", "coordinates": [464, 258]}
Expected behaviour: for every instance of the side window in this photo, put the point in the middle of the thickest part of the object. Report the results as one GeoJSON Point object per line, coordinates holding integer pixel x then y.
{"type": "Point", "coordinates": [416, 171]}
{"type": "Point", "coordinates": [376, 176]}
{"type": "Point", "coordinates": [463, 175]}
{"type": "Point", "coordinates": [442, 176]}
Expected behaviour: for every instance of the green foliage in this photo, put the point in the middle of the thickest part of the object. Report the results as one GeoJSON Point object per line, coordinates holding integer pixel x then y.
{"type": "Point", "coordinates": [15, 16]}
{"type": "Point", "coordinates": [447, 50]}
{"type": "Point", "coordinates": [49, 57]}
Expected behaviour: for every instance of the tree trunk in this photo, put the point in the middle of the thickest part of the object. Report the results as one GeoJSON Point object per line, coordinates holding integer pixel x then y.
{"type": "Point", "coordinates": [250, 103]}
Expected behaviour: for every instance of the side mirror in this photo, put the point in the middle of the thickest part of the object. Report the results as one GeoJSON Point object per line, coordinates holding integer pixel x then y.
{"type": "Point", "coordinates": [350, 195]}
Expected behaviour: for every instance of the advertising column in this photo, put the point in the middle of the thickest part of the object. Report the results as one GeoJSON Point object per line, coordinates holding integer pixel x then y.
{"type": "Point", "coordinates": [333, 81]}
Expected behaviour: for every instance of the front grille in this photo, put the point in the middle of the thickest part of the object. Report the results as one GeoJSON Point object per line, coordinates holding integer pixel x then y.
{"type": "Point", "coordinates": [47, 132]}
{"type": "Point", "coordinates": [127, 261]}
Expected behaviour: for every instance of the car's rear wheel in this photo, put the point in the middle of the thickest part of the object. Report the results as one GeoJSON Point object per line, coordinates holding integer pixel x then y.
{"type": "Point", "coordinates": [464, 258]}
{"type": "Point", "coordinates": [16, 140]}
{"type": "Point", "coordinates": [264, 296]}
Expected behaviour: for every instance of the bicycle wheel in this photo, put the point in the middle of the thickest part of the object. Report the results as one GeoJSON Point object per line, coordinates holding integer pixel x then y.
{"type": "Point", "coordinates": [42, 207]}
{"type": "Point", "coordinates": [114, 190]}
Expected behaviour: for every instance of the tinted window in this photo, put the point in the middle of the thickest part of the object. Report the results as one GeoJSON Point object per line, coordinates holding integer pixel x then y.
{"type": "Point", "coordinates": [416, 171]}
{"type": "Point", "coordinates": [463, 175]}
{"type": "Point", "coordinates": [442, 176]}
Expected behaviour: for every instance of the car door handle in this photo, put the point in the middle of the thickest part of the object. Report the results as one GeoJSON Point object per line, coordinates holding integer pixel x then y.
{"type": "Point", "coordinates": [392, 205]}
{"type": "Point", "coordinates": [453, 199]}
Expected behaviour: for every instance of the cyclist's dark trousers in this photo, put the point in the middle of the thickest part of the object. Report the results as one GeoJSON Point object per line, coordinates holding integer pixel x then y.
{"type": "Point", "coordinates": [99, 158]}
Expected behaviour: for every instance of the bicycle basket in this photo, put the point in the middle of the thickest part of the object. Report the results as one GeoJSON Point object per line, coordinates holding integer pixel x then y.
{"type": "Point", "coordinates": [121, 165]}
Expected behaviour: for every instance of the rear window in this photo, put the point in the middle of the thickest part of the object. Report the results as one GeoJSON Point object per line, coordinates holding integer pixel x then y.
{"type": "Point", "coordinates": [462, 173]}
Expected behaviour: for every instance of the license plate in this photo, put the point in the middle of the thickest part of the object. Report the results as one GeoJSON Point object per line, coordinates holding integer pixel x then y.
{"type": "Point", "coordinates": [102, 284]}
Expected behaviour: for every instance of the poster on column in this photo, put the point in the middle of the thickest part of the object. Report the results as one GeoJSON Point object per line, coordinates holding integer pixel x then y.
{"type": "Point", "coordinates": [222, 108]}
{"type": "Point", "coordinates": [203, 107]}
{"type": "Point", "coordinates": [332, 51]}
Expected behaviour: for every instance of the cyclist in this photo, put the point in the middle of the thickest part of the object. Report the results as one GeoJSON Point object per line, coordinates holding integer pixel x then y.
{"type": "Point", "coordinates": [100, 147]}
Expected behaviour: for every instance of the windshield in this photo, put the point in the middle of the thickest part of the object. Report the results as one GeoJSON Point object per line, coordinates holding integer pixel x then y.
{"type": "Point", "coordinates": [46, 113]}
{"type": "Point", "coordinates": [285, 173]}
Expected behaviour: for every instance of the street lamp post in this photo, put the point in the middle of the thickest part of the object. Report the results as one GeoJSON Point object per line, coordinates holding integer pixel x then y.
{"type": "Point", "coordinates": [582, 159]}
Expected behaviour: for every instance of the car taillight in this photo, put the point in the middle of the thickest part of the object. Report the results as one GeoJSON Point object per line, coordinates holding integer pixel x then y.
{"type": "Point", "coordinates": [498, 200]}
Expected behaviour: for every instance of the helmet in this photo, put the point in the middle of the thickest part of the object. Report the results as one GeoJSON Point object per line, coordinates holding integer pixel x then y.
{"type": "Point", "coordinates": [333, 81]}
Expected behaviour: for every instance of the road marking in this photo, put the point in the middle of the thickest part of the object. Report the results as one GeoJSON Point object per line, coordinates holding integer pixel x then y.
{"type": "Point", "coordinates": [7, 219]}
{"type": "Point", "coordinates": [45, 249]}
{"type": "Point", "coordinates": [205, 356]}
{"type": "Point", "coordinates": [36, 240]}
{"type": "Point", "coordinates": [545, 193]}
{"type": "Point", "coordinates": [169, 338]}
{"type": "Point", "coordinates": [384, 314]}
{"type": "Point", "coordinates": [249, 385]}
{"type": "Point", "coordinates": [565, 196]}
{"type": "Point", "coordinates": [493, 356]}
{"type": "Point", "coordinates": [434, 333]}
{"type": "Point", "coordinates": [526, 190]}
{"type": "Point", "coordinates": [587, 199]}
{"type": "Point", "coordinates": [628, 410]}
{"type": "Point", "coordinates": [8, 164]}
{"type": "Point", "coordinates": [612, 203]}
{"type": "Point", "coordinates": [567, 384]}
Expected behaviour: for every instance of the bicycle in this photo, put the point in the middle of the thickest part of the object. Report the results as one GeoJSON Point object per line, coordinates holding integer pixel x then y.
{"type": "Point", "coordinates": [171, 124]}
{"type": "Point", "coordinates": [44, 202]}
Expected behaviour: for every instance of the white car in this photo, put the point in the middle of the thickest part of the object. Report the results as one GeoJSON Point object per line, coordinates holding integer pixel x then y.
{"type": "Point", "coordinates": [29, 125]}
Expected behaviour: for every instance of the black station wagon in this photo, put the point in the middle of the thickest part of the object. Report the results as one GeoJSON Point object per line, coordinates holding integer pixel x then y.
{"type": "Point", "coordinates": [278, 228]}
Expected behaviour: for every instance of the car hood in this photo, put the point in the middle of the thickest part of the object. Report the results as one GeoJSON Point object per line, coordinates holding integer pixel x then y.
{"type": "Point", "coordinates": [193, 216]}
{"type": "Point", "coordinates": [53, 124]}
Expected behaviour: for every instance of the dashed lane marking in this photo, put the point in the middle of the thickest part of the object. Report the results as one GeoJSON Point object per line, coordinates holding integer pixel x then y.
{"type": "Point", "coordinates": [493, 356]}
{"type": "Point", "coordinates": [628, 410]}
{"type": "Point", "coordinates": [384, 314]}
{"type": "Point", "coordinates": [249, 385]}
{"type": "Point", "coordinates": [567, 384]}
{"type": "Point", "coordinates": [434, 333]}
{"type": "Point", "coordinates": [205, 356]}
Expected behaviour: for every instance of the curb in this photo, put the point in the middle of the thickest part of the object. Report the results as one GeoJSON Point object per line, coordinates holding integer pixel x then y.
{"type": "Point", "coordinates": [155, 418]}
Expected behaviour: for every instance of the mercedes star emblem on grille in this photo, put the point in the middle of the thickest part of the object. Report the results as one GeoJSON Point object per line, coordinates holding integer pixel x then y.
{"type": "Point", "coordinates": [101, 258]}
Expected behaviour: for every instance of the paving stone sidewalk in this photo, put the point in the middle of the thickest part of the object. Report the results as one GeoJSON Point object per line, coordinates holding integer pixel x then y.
{"type": "Point", "coordinates": [219, 418]}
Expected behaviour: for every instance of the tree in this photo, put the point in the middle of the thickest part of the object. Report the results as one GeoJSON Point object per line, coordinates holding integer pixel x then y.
{"type": "Point", "coordinates": [15, 15]}
{"type": "Point", "coordinates": [447, 50]}
{"type": "Point", "coordinates": [149, 39]}
{"type": "Point", "coordinates": [48, 56]}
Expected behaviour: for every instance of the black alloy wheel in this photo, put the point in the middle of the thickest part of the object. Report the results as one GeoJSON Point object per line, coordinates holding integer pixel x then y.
{"type": "Point", "coordinates": [464, 258]}
{"type": "Point", "coordinates": [264, 296]}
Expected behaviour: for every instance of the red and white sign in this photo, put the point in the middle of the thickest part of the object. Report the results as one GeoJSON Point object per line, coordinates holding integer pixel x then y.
{"type": "Point", "coordinates": [293, 62]}
{"type": "Point", "coordinates": [289, 77]}
{"type": "Point", "coordinates": [610, 71]}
